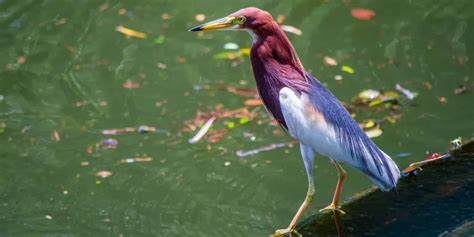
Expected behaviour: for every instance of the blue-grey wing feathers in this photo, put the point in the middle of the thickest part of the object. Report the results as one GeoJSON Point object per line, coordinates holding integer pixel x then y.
{"type": "Point", "coordinates": [363, 153]}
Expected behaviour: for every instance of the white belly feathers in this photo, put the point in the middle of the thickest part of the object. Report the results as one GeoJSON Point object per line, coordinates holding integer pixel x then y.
{"type": "Point", "coordinates": [308, 125]}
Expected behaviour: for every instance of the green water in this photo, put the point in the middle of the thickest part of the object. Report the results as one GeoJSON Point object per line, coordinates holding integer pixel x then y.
{"type": "Point", "coordinates": [48, 187]}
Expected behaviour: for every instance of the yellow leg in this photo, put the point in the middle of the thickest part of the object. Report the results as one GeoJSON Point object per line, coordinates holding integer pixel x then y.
{"type": "Point", "coordinates": [334, 206]}
{"type": "Point", "coordinates": [307, 154]}
{"type": "Point", "coordinates": [291, 227]}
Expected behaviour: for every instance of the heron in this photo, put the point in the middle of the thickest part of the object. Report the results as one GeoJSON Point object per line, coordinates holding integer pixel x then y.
{"type": "Point", "coordinates": [306, 109]}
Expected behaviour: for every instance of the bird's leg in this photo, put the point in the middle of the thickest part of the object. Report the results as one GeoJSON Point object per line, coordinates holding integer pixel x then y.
{"type": "Point", "coordinates": [308, 156]}
{"type": "Point", "coordinates": [334, 206]}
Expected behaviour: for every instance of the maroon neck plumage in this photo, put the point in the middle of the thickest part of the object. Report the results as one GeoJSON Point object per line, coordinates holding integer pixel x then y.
{"type": "Point", "coordinates": [276, 65]}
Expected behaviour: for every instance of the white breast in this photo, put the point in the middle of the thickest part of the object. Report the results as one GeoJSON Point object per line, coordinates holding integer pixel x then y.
{"type": "Point", "coordinates": [307, 125]}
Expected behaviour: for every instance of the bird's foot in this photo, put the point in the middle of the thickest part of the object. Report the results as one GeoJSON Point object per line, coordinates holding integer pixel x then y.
{"type": "Point", "coordinates": [286, 233]}
{"type": "Point", "coordinates": [332, 208]}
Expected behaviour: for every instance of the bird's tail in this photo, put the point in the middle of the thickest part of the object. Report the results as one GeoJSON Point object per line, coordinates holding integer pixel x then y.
{"type": "Point", "coordinates": [372, 161]}
{"type": "Point", "coordinates": [390, 173]}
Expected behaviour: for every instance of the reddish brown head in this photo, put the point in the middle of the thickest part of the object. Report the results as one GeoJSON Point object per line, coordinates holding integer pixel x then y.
{"type": "Point", "coordinates": [274, 61]}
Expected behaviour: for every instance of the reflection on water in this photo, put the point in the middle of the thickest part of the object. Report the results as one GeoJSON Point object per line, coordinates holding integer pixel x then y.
{"type": "Point", "coordinates": [63, 69]}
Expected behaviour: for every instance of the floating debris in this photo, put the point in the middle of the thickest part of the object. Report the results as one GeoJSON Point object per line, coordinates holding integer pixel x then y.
{"type": "Point", "coordinates": [103, 174]}
{"type": "Point", "coordinates": [227, 163]}
{"type": "Point", "coordinates": [253, 102]}
{"type": "Point", "coordinates": [459, 90]}
{"type": "Point", "coordinates": [330, 61]}
{"type": "Point", "coordinates": [48, 217]}
{"type": "Point", "coordinates": [110, 143]}
{"type": "Point", "coordinates": [145, 129]}
{"type": "Point", "coordinates": [291, 29]}
{"type": "Point", "coordinates": [374, 132]}
{"type": "Point", "coordinates": [84, 163]}
{"type": "Point", "coordinates": [409, 94]}
{"type": "Point", "coordinates": [338, 77]}
{"type": "Point", "coordinates": [247, 92]}
{"type": "Point", "coordinates": [202, 131]}
{"type": "Point", "coordinates": [280, 19]}
{"type": "Point", "coordinates": [200, 17]}
{"type": "Point", "coordinates": [402, 154]}
{"type": "Point", "coordinates": [116, 131]}
{"type": "Point", "coordinates": [371, 98]}
{"type": "Point", "coordinates": [130, 85]}
{"type": "Point", "coordinates": [241, 153]}
{"type": "Point", "coordinates": [347, 69]}
{"type": "Point", "coordinates": [21, 60]}
{"type": "Point", "coordinates": [103, 7]}
{"type": "Point", "coordinates": [122, 11]}
{"type": "Point", "coordinates": [231, 46]}
{"type": "Point", "coordinates": [55, 136]}
{"type": "Point", "coordinates": [140, 129]}
{"type": "Point", "coordinates": [369, 94]}
{"type": "Point", "coordinates": [363, 14]}
{"type": "Point", "coordinates": [233, 54]}
{"type": "Point", "coordinates": [83, 103]}
{"type": "Point", "coordinates": [129, 32]}
{"type": "Point", "coordinates": [216, 136]}
{"type": "Point", "coordinates": [442, 99]}
{"type": "Point", "coordinates": [456, 143]}
{"type": "Point", "coordinates": [135, 159]}
{"type": "Point", "coordinates": [159, 40]}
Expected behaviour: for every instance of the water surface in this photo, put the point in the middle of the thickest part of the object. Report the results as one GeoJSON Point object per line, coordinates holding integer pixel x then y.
{"type": "Point", "coordinates": [58, 53]}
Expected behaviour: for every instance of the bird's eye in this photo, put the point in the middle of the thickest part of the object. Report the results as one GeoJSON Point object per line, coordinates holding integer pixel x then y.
{"type": "Point", "coordinates": [240, 20]}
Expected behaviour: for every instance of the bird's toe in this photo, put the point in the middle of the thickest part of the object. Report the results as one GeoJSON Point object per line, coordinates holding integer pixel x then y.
{"type": "Point", "coordinates": [286, 233]}
{"type": "Point", "coordinates": [332, 208]}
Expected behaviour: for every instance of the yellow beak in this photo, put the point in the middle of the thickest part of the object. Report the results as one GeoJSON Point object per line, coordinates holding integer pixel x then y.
{"type": "Point", "coordinates": [219, 24]}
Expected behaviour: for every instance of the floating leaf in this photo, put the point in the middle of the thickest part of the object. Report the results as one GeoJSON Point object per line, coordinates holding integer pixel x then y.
{"type": "Point", "coordinates": [202, 131]}
{"type": "Point", "coordinates": [230, 125]}
{"type": "Point", "coordinates": [216, 136]}
{"type": "Point", "coordinates": [2, 127]}
{"type": "Point", "coordinates": [291, 29]}
{"type": "Point", "coordinates": [55, 136]}
{"type": "Point", "coordinates": [369, 94]}
{"type": "Point", "coordinates": [374, 132]}
{"type": "Point", "coordinates": [460, 89]}
{"type": "Point", "coordinates": [130, 32]}
{"type": "Point", "coordinates": [330, 61]}
{"type": "Point", "coordinates": [362, 14]}
{"type": "Point", "coordinates": [244, 120]}
{"type": "Point", "coordinates": [200, 17]}
{"type": "Point", "coordinates": [226, 55]}
{"type": "Point", "coordinates": [347, 69]}
{"type": "Point", "coordinates": [253, 102]}
{"type": "Point", "coordinates": [145, 129]}
{"type": "Point", "coordinates": [21, 60]}
{"type": "Point", "coordinates": [280, 19]}
{"type": "Point", "coordinates": [231, 46]}
{"type": "Point", "coordinates": [368, 124]}
{"type": "Point", "coordinates": [159, 40]}
{"type": "Point", "coordinates": [130, 85]}
{"type": "Point", "coordinates": [245, 51]}
{"type": "Point", "coordinates": [136, 159]}
{"type": "Point", "coordinates": [375, 102]}
{"type": "Point", "coordinates": [103, 174]}
{"type": "Point", "coordinates": [247, 92]}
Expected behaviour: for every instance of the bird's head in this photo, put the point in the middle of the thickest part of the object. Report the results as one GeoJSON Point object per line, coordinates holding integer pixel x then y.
{"type": "Point", "coordinates": [251, 19]}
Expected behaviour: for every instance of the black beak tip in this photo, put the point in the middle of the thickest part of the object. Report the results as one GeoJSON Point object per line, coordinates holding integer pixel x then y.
{"type": "Point", "coordinates": [196, 28]}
